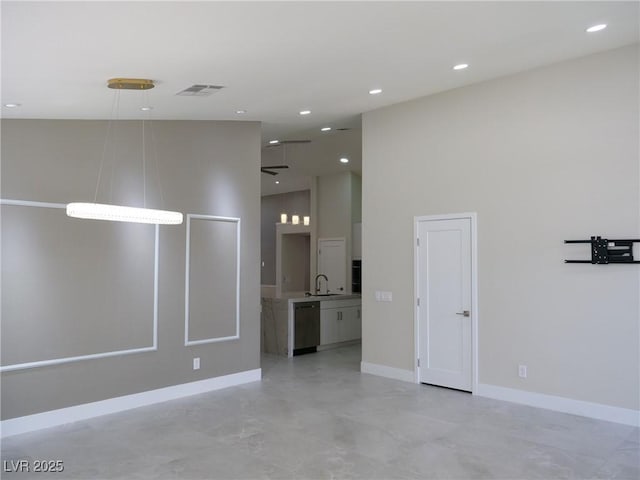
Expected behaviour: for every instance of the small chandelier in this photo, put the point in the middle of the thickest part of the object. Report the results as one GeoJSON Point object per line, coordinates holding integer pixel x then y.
{"type": "Point", "coordinates": [121, 213]}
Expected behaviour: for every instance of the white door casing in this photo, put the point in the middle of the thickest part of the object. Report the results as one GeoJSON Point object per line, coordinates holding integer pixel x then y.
{"type": "Point", "coordinates": [446, 300]}
{"type": "Point", "coordinates": [332, 262]}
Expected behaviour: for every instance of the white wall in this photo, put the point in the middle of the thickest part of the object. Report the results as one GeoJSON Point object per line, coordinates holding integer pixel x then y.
{"type": "Point", "coordinates": [542, 156]}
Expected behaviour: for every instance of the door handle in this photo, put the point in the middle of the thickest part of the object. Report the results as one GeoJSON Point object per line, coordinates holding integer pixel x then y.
{"type": "Point", "coordinates": [464, 313]}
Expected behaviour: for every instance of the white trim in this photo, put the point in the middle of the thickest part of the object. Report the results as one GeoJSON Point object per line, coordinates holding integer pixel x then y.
{"type": "Point", "coordinates": [29, 423]}
{"type": "Point", "coordinates": [27, 203]}
{"type": "Point", "coordinates": [236, 336]}
{"type": "Point", "coordinates": [416, 323]}
{"type": "Point", "coordinates": [60, 361]}
{"type": "Point", "coordinates": [475, 314]}
{"type": "Point", "coordinates": [156, 260]}
{"type": "Point", "coordinates": [115, 353]}
{"type": "Point", "coordinates": [598, 411]}
{"type": "Point", "coordinates": [388, 372]}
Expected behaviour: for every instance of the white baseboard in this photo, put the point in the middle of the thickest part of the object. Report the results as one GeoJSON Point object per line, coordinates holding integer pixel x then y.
{"type": "Point", "coordinates": [598, 411]}
{"type": "Point", "coordinates": [388, 372]}
{"type": "Point", "coordinates": [29, 423]}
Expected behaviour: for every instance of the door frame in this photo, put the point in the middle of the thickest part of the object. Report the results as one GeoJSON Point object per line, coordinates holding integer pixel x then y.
{"type": "Point", "coordinates": [473, 217]}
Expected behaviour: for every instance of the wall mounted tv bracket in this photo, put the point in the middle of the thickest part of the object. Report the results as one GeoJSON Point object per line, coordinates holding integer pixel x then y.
{"type": "Point", "coordinates": [605, 251]}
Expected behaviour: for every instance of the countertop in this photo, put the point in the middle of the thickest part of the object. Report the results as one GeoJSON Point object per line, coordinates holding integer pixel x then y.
{"type": "Point", "coordinates": [321, 298]}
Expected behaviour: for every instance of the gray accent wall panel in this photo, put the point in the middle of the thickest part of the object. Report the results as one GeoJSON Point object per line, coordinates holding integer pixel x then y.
{"type": "Point", "coordinates": [213, 271]}
{"type": "Point", "coordinates": [207, 167]}
{"type": "Point", "coordinates": [50, 310]}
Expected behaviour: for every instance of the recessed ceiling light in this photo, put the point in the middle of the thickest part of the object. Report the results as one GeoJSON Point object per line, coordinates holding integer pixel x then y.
{"type": "Point", "coordinates": [375, 91]}
{"type": "Point", "coordinates": [12, 105]}
{"type": "Point", "coordinates": [241, 112]}
{"type": "Point", "coordinates": [272, 142]}
{"type": "Point", "coordinates": [344, 160]}
{"type": "Point", "coordinates": [597, 28]}
{"type": "Point", "coordinates": [325, 129]}
{"type": "Point", "coordinates": [277, 182]}
{"type": "Point", "coordinates": [305, 112]}
{"type": "Point", "coordinates": [460, 66]}
{"type": "Point", "coordinates": [146, 109]}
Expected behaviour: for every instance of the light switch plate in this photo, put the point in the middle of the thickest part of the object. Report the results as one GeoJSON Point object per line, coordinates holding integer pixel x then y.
{"type": "Point", "coordinates": [384, 296]}
{"type": "Point", "coordinates": [196, 363]}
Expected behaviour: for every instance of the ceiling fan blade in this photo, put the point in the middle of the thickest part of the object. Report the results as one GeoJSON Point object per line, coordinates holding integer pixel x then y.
{"type": "Point", "coordinates": [263, 170]}
{"type": "Point", "coordinates": [275, 166]}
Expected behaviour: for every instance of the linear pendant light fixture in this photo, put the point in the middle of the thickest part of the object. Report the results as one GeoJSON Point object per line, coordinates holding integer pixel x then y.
{"type": "Point", "coordinates": [121, 213]}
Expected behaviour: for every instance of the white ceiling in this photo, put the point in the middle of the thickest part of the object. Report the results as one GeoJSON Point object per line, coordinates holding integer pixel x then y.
{"type": "Point", "coordinates": [277, 58]}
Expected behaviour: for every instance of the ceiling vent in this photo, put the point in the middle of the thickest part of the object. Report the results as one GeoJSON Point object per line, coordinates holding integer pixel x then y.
{"type": "Point", "coordinates": [200, 90]}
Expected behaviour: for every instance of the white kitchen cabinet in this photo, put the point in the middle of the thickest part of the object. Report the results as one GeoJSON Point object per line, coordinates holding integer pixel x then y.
{"type": "Point", "coordinates": [340, 323]}
{"type": "Point", "coordinates": [350, 328]}
{"type": "Point", "coordinates": [329, 325]}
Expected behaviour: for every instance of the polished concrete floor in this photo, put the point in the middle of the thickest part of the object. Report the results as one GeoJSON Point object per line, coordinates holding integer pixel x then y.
{"type": "Point", "coordinates": [317, 417]}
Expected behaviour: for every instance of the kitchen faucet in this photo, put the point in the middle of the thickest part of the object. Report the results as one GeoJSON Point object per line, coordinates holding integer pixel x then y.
{"type": "Point", "coordinates": [317, 281]}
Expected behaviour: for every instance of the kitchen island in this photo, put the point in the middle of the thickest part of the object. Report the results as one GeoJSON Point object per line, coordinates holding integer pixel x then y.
{"type": "Point", "coordinates": [340, 321]}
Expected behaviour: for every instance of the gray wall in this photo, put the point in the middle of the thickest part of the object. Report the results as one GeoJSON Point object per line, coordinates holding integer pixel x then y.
{"type": "Point", "coordinates": [295, 262]}
{"type": "Point", "coordinates": [542, 156]}
{"type": "Point", "coordinates": [205, 168]}
{"type": "Point", "coordinates": [271, 208]}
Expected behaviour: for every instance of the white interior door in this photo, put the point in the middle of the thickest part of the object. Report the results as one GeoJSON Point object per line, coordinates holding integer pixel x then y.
{"type": "Point", "coordinates": [332, 262]}
{"type": "Point", "coordinates": [443, 264]}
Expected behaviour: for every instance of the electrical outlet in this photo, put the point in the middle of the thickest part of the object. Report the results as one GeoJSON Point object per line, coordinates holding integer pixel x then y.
{"type": "Point", "coordinates": [522, 371]}
{"type": "Point", "coordinates": [196, 363]}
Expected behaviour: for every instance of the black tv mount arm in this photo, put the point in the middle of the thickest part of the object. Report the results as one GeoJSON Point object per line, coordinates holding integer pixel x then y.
{"type": "Point", "coordinates": [604, 251]}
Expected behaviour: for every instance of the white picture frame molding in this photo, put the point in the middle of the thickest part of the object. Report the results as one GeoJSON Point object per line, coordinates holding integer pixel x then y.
{"type": "Point", "coordinates": [92, 356]}
{"type": "Point", "coordinates": [236, 336]}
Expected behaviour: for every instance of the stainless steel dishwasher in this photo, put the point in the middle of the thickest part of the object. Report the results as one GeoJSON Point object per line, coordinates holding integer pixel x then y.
{"type": "Point", "coordinates": [306, 327]}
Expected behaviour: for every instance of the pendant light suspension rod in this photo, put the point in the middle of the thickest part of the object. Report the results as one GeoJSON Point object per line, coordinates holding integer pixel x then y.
{"type": "Point", "coordinates": [144, 171]}
{"type": "Point", "coordinates": [121, 213]}
{"type": "Point", "coordinates": [114, 103]}
{"type": "Point", "coordinates": [114, 135]}
{"type": "Point", "coordinates": [155, 155]}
